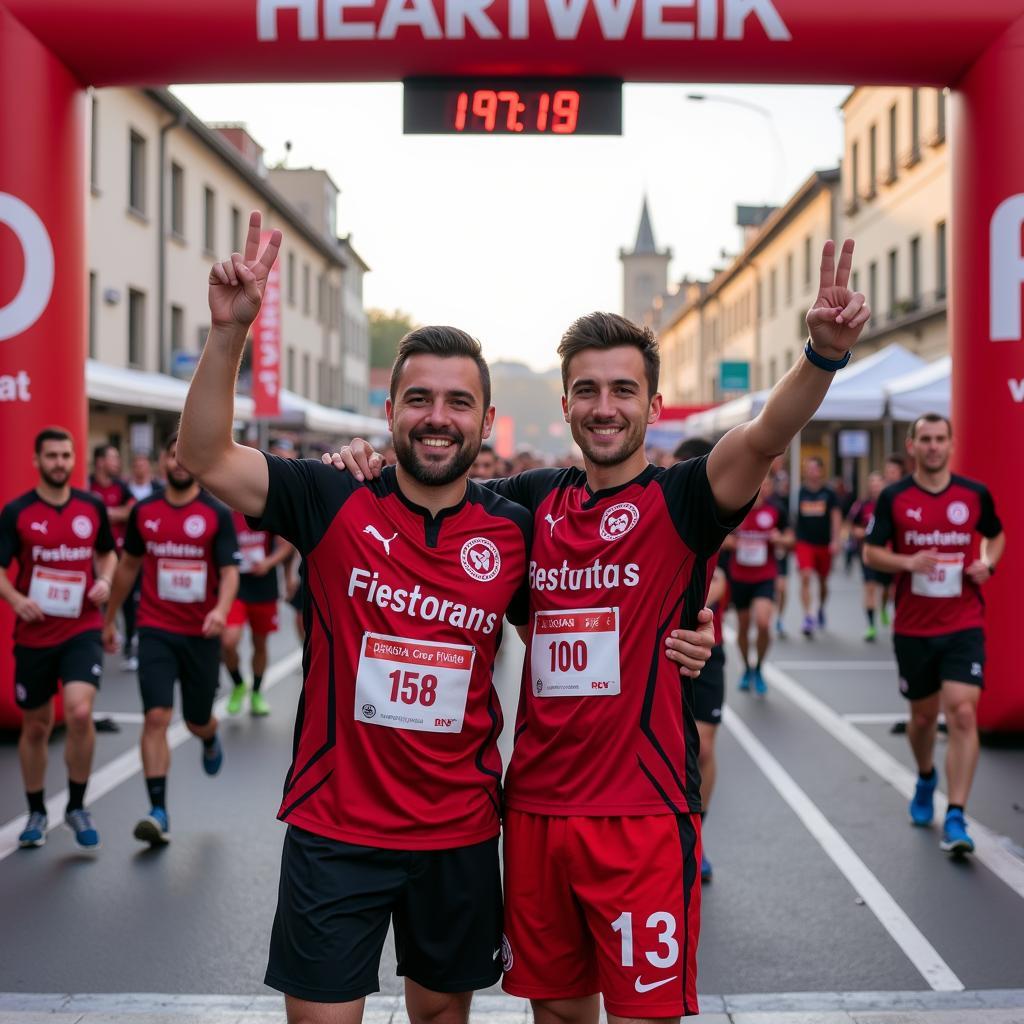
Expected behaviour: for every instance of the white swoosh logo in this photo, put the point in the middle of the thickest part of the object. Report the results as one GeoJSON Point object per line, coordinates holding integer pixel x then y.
{"type": "Point", "coordinates": [641, 987]}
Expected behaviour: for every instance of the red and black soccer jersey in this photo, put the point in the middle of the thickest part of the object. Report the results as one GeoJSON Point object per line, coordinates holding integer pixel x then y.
{"type": "Point", "coordinates": [183, 548]}
{"type": "Point", "coordinates": [55, 548]}
{"type": "Point", "coordinates": [113, 495]}
{"type": "Point", "coordinates": [753, 560]}
{"type": "Point", "coordinates": [861, 512]}
{"type": "Point", "coordinates": [814, 515]}
{"type": "Point", "coordinates": [605, 722]}
{"type": "Point", "coordinates": [396, 735]}
{"type": "Point", "coordinates": [952, 521]}
{"type": "Point", "coordinates": [254, 546]}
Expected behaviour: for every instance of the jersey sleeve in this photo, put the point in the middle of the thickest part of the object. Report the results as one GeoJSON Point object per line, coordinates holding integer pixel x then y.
{"type": "Point", "coordinates": [104, 535]}
{"type": "Point", "coordinates": [989, 524]}
{"type": "Point", "coordinates": [127, 498]}
{"type": "Point", "coordinates": [880, 528]}
{"type": "Point", "coordinates": [527, 489]}
{"type": "Point", "coordinates": [225, 546]}
{"type": "Point", "coordinates": [133, 542]}
{"type": "Point", "coordinates": [303, 497]}
{"type": "Point", "coordinates": [694, 511]}
{"type": "Point", "coordinates": [9, 542]}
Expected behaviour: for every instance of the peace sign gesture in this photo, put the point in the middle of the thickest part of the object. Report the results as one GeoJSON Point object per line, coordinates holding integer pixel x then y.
{"type": "Point", "coordinates": [237, 285]}
{"type": "Point", "coordinates": [838, 314]}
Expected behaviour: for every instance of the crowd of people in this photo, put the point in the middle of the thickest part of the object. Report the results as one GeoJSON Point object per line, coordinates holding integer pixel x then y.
{"type": "Point", "coordinates": [404, 566]}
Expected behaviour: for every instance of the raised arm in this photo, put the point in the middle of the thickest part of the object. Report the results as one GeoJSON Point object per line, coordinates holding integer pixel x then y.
{"type": "Point", "coordinates": [739, 462]}
{"type": "Point", "coordinates": [232, 472]}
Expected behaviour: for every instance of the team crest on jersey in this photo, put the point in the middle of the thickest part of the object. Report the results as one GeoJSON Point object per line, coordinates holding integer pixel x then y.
{"type": "Point", "coordinates": [958, 513]}
{"type": "Point", "coordinates": [506, 954]}
{"type": "Point", "coordinates": [764, 519]}
{"type": "Point", "coordinates": [619, 520]}
{"type": "Point", "coordinates": [195, 526]}
{"type": "Point", "coordinates": [81, 526]}
{"type": "Point", "coordinates": [480, 559]}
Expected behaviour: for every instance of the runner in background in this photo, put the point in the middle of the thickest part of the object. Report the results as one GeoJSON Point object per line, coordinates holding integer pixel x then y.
{"type": "Point", "coordinates": [857, 523]}
{"type": "Point", "coordinates": [780, 499]}
{"type": "Point", "coordinates": [818, 527]}
{"type": "Point", "coordinates": [893, 471]}
{"type": "Point", "coordinates": [142, 483]}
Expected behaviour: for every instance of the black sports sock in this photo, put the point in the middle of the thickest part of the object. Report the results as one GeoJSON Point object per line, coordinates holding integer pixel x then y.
{"type": "Point", "coordinates": [36, 803]}
{"type": "Point", "coordinates": [208, 744]}
{"type": "Point", "coordinates": [257, 682]}
{"type": "Point", "coordinates": [157, 788]}
{"type": "Point", "coordinates": [236, 676]}
{"type": "Point", "coordinates": [870, 613]}
{"type": "Point", "coordinates": [927, 776]}
{"type": "Point", "coordinates": [76, 795]}
{"type": "Point", "coordinates": [955, 807]}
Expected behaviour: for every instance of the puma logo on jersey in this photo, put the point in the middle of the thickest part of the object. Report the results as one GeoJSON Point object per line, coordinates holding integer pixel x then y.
{"type": "Point", "coordinates": [386, 541]}
{"type": "Point", "coordinates": [915, 514]}
{"type": "Point", "coordinates": [152, 524]}
{"type": "Point", "coordinates": [553, 522]}
{"type": "Point", "coordinates": [41, 527]}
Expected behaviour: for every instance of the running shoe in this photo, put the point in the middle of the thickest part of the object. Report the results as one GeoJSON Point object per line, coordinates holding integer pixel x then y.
{"type": "Point", "coordinates": [130, 664]}
{"type": "Point", "coordinates": [760, 686]}
{"type": "Point", "coordinates": [886, 618]}
{"type": "Point", "coordinates": [237, 698]}
{"type": "Point", "coordinates": [213, 756]}
{"type": "Point", "coordinates": [821, 618]}
{"type": "Point", "coordinates": [746, 679]}
{"type": "Point", "coordinates": [871, 634]}
{"type": "Point", "coordinates": [258, 706]}
{"type": "Point", "coordinates": [780, 630]}
{"type": "Point", "coordinates": [80, 822]}
{"type": "Point", "coordinates": [705, 869]}
{"type": "Point", "coordinates": [808, 629]}
{"type": "Point", "coordinates": [154, 828]}
{"type": "Point", "coordinates": [34, 833]}
{"type": "Point", "coordinates": [955, 839]}
{"type": "Point", "coordinates": [921, 807]}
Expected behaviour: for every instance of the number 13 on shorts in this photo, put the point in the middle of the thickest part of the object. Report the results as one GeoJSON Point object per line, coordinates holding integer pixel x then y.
{"type": "Point", "coordinates": [663, 924]}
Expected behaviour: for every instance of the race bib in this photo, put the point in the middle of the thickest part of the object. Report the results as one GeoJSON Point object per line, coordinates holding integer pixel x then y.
{"type": "Point", "coordinates": [251, 557]}
{"type": "Point", "coordinates": [413, 684]}
{"type": "Point", "coordinates": [576, 653]}
{"type": "Point", "coordinates": [752, 551]}
{"type": "Point", "coordinates": [945, 580]}
{"type": "Point", "coordinates": [180, 581]}
{"type": "Point", "coordinates": [58, 592]}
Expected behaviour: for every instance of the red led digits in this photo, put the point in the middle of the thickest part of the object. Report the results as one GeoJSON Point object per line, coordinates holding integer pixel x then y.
{"type": "Point", "coordinates": [566, 108]}
{"type": "Point", "coordinates": [485, 105]}
{"type": "Point", "coordinates": [510, 110]}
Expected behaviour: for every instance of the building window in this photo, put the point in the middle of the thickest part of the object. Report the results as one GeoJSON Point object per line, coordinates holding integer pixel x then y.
{"type": "Point", "coordinates": [854, 179]}
{"type": "Point", "coordinates": [940, 116]}
{"type": "Point", "coordinates": [915, 125]}
{"type": "Point", "coordinates": [894, 291]}
{"type": "Point", "coordinates": [807, 261]}
{"type": "Point", "coordinates": [773, 371]}
{"type": "Point", "coordinates": [177, 201]}
{"type": "Point", "coordinates": [94, 146]}
{"type": "Point", "coordinates": [872, 161]}
{"type": "Point", "coordinates": [305, 374]}
{"type": "Point", "coordinates": [893, 146]}
{"type": "Point", "coordinates": [209, 220]}
{"type": "Point", "coordinates": [136, 172]}
{"type": "Point", "coordinates": [789, 279]}
{"type": "Point", "coordinates": [915, 271]}
{"type": "Point", "coordinates": [177, 330]}
{"type": "Point", "coordinates": [291, 279]}
{"type": "Point", "coordinates": [92, 314]}
{"type": "Point", "coordinates": [136, 328]}
{"type": "Point", "coordinates": [290, 369]}
{"type": "Point", "coordinates": [873, 286]}
{"type": "Point", "coordinates": [305, 289]}
{"type": "Point", "coordinates": [321, 299]}
{"type": "Point", "coordinates": [773, 281]}
{"type": "Point", "coordinates": [236, 229]}
{"type": "Point", "coordinates": [940, 260]}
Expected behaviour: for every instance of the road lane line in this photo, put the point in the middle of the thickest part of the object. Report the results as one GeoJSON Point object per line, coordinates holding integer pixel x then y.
{"type": "Point", "coordinates": [935, 971]}
{"type": "Point", "coordinates": [125, 765]}
{"type": "Point", "coordinates": [833, 666]}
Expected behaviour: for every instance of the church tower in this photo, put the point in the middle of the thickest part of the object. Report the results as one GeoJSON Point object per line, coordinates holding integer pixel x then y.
{"type": "Point", "coordinates": [644, 271]}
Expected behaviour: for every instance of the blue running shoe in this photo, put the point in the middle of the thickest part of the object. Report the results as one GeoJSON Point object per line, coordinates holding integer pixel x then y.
{"type": "Point", "coordinates": [760, 686]}
{"type": "Point", "coordinates": [821, 618]}
{"type": "Point", "coordinates": [80, 822]}
{"type": "Point", "coordinates": [705, 869]}
{"type": "Point", "coordinates": [921, 807]}
{"type": "Point", "coordinates": [746, 679]}
{"type": "Point", "coordinates": [34, 833]}
{"type": "Point", "coordinates": [213, 756]}
{"type": "Point", "coordinates": [808, 628]}
{"type": "Point", "coordinates": [154, 828]}
{"type": "Point", "coordinates": [955, 839]}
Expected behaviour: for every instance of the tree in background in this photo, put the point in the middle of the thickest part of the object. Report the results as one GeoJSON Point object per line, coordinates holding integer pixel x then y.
{"type": "Point", "coordinates": [386, 331]}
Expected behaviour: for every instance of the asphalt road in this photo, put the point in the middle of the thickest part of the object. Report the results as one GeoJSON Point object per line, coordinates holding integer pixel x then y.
{"type": "Point", "coordinates": [821, 885]}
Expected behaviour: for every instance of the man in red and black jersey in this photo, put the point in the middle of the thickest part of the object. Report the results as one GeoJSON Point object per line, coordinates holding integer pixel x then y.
{"type": "Point", "coordinates": [875, 582]}
{"type": "Point", "coordinates": [818, 523]}
{"type": "Point", "coordinates": [940, 532]}
{"type": "Point", "coordinates": [185, 545]}
{"type": "Point", "coordinates": [61, 540]}
{"type": "Point", "coordinates": [394, 794]}
{"type": "Point", "coordinates": [256, 605]}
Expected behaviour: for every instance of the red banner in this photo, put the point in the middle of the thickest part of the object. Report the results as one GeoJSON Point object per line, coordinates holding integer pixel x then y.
{"type": "Point", "coordinates": [266, 346]}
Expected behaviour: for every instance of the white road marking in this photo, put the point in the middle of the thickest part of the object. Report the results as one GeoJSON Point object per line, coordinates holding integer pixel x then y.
{"type": "Point", "coordinates": [837, 666]}
{"type": "Point", "coordinates": [129, 763]}
{"type": "Point", "coordinates": [121, 717]}
{"type": "Point", "coordinates": [935, 971]}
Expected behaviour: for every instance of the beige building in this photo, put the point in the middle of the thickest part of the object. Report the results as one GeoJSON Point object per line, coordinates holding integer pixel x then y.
{"type": "Point", "coordinates": [169, 195]}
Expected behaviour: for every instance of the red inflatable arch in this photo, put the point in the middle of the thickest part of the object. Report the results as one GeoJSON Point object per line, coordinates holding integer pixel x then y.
{"type": "Point", "coordinates": [51, 49]}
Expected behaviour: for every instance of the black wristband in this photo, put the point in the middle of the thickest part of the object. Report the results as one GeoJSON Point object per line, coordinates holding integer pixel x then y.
{"type": "Point", "coordinates": [991, 569]}
{"type": "Point", "coordinates": [821, 362]}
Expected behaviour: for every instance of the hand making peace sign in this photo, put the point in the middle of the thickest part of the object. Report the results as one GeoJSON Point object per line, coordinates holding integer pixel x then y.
{"type": "Point", "coordinates": [237, 285]}
{"type": "Point", "coordinates": [838, 314]}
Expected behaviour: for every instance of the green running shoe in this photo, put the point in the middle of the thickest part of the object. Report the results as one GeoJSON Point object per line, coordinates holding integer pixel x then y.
{"type": "Point", "coordinates": [886, 620]}
{"type": "Point", "coordinates": [871, 634]}
{"type": "Point", "coordinates": [237, 699]}
{"type": "Point", "coordinates": [258, 706]}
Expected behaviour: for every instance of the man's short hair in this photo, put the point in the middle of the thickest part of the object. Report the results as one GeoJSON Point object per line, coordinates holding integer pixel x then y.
{"type": "Point", "coordinates": [609, 330]}
{"type": "Point", "coordinates": [897, 459]}
{"type": "Point", "coordinates": [486, 449]}
{"type": "Point", "coordinates": [692, 448]}
{"type": "Point", "coordinates": [446, 342]}
{"type": "Point", "coordinates": [52, 434]}
{"type": "Point", "coordinates": [101, 450]}
{"type": "Point", "coordinates": [928, 417]}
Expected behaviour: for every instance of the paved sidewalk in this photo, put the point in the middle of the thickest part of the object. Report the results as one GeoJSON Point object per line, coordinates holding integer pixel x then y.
{"type": "Point", "coordinates": [989, 1007]}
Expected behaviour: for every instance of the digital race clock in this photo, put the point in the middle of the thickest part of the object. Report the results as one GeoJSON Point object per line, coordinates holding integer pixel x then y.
{"type": "Point", "coordinates": [512, 106]}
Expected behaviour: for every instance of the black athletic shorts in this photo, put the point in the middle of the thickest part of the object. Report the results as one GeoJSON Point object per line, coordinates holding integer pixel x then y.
{"type": "Point", "coordinates": [194, 660]}
{"type": "Point", "coordinates": [37, 669]}
{"type": "Point", "coordinates": [709, 689]}
{"type": "Point", "coordinates": [926, 662]}
{"type": "Point", "coordinates": [874, 575]}
{"type": "Point", "coordinates": [783, 564]}
{"type": "Point", "coordinates": [742, 594]}
{"type": "Point", "coordinates": [335, 902]}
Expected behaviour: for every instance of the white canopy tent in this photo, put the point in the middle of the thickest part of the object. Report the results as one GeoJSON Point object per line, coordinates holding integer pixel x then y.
{"type": "Point", "coordinates": [924, 390]}
{"type": "Point", "coordinates": [322, 419]}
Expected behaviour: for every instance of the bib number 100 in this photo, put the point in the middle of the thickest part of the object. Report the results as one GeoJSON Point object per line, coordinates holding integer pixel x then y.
{"type": "Point", "coordinates": [567, 656]}
{"type": "Point", "coordinates": [412, 688]}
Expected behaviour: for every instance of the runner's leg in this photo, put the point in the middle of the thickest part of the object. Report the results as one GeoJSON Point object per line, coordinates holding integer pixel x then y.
{"type": "Point", "coordinates": [81, 740]}
{"type": "Point", "coordinates": [762, 608]}
{"type": "Point", "coordinates": [585, 1010]}
{"type": "Point", "coordinates": [302, 1011]}
{"type": "Point", "coordinates": [743, 634]}
{"type": "Point", "coordinates": [425, 1006]}
{"type": "Point", "coordinates": [921, 729]}
{"type": "Point", "coordinates": [960, 704]}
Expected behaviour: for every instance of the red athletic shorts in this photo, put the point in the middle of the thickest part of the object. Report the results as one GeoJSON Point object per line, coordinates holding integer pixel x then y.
{"type": "Point", "coordinates": [260, 615]}
{"type": "Point", "coordinates": [815, 558]}
{"type": "Point", "coordinates": [609, 905]}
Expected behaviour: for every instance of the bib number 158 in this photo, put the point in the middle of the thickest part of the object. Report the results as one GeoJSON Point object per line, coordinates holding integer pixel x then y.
{"type": "Point", "coordinates": [411, 688]}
